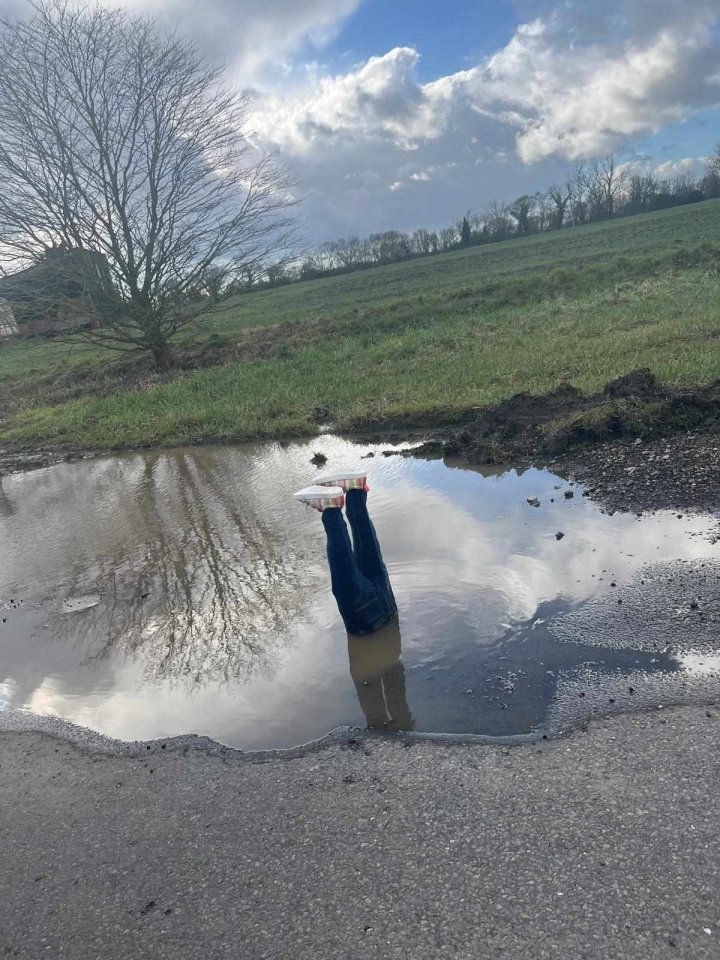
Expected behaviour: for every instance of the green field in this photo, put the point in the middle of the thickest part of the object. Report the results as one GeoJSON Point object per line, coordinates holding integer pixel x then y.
{"type": "Point", "coordinates": [438, 334]}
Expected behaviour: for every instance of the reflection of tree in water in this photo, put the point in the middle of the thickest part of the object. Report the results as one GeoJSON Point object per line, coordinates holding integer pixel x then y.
{"type": "Point", "coordinates": [199, 587]}
{"type": "Point", "coordinates": [7, 507]}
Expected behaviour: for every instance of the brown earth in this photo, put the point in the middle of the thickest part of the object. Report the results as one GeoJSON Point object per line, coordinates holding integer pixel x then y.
{"type": "Point", "coordinates": [529, 426]}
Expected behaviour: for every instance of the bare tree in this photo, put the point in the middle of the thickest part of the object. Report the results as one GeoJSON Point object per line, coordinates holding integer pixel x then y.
{"type": "Point", "coordinates": [375, 247]}
{"type": "Point", "coordinates": [544, 212]}
{"type": "Point", "coordinates": [477, 226]}
{"type": "Point", "coordinates": [685, 189]}
{"type": "Point", "coordinates": [389, 246]}
{"type": "Point", "coordinates": [608, 182]}
{"type": "Point", "coordinates": [522, 210]}
{"type": "Point", "coordinates": [560, 198]}
{"type": "Point", "coordinates": [324, 257]}
{"type": "Point", "coordinates": [422, 242]}
{"type": "Point", "coordinates": [498, 223]}
{"type": "Point", "coordinates": [579, 188]}
{"type": "Point", "coordinates": [249, 276]}
{"type": "Point", "coordinates": [348, 253]}
{"type": "Point", "coordinates": [711, 179]}
{"type": "Point", "coordinates": [642, 193]}
{"type": "Point", "coordinates": [448, 237]}
{"type": "Point", "coordinates": [277, 273]}
{"type": "Point", "coordinates": [120, 141]}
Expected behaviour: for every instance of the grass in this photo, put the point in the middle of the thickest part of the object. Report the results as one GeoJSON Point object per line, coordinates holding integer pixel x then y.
{"type": "Point", "coordinates": [437, 334]}
{"type": "Point", "coordinates": [27, 360]}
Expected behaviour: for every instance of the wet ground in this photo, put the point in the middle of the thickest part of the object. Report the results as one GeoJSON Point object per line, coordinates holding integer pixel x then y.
{"type": "Point", "coordinates": [680, 471]}
{"type": "Point", "coordinates": [156, 594]}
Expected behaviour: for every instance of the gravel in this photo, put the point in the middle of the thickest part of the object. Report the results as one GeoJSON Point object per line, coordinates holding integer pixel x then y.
{"type": "Point", "coordinates": [681, 472]}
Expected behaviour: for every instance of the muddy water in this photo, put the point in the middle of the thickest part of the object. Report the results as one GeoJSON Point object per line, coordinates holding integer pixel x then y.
{"type": "Point", "coordinates": [163, 593]}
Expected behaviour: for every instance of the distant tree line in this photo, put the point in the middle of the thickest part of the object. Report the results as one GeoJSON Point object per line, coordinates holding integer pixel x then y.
{"type": "Point", "coordinates": [599, 189]}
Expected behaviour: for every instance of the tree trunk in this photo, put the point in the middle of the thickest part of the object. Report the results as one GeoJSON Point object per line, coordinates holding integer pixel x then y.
{"type": "Point", "coordinates": [162, 356]}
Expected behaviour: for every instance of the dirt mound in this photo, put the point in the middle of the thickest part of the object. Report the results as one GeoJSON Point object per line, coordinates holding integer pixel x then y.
{"type": "Point", "coordinates": [527, 408]}
{"type": "Point", "coordinates": [639, 383]}
{"type": "Point", "coordinates": [529, 426]}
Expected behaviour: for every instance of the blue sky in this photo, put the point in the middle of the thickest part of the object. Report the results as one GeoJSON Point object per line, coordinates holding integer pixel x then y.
{"type": "Point", "coordinates": [450, 36]}
{"type": "Point", "coordinates": [695, 136]}
{"type": "Point", "coordinates": [408, 113]}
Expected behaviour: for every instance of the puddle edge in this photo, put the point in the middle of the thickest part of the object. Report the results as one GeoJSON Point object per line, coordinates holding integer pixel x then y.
{"type": "Point", "coordinates": [20, 721]}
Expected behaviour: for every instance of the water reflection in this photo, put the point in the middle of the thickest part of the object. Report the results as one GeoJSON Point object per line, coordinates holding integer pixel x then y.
{"type": "Point", "coordinates": [379, 677]}
{"type": "Point", "coordinates": [6, 507]}
{"type": "Point", "coordinates": [216, 615]}
{"type": "Point", "coordinates": [193, 580]}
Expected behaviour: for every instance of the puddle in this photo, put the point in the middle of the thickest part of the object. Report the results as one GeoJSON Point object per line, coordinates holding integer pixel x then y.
{"type": "Point", "coordinates": [156, 594]}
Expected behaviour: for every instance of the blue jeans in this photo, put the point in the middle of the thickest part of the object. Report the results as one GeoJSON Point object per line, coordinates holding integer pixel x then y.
{"type": "Point", "coordinates": [359, 578]}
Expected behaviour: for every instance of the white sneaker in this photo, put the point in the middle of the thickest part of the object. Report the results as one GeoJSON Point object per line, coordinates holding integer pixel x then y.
{"type": "Point", "coordinates": [321, 497]}
{"type": "Point", "coordinates": [344, 478]}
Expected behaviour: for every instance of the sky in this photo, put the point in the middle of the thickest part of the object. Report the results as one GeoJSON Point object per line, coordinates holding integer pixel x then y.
{"type": "Point", "coordinates": [396, 114]}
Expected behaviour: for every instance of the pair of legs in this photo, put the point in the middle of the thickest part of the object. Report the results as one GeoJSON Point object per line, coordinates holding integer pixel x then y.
{"type": "Point", "coordinates": [359, 578]}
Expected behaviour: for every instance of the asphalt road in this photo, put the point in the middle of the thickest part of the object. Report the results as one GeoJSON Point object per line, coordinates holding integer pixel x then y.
{"type": "Point", "coordinates": [604, 845]}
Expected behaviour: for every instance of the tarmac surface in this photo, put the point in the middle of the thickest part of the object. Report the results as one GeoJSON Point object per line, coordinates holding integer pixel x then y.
{"type": "Point", "coordinates": [602, 845]}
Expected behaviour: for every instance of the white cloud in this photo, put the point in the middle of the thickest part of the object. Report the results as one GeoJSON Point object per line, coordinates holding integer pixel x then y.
{"type": "Point", "coordinates": [355, 140]}
{"type": "Point", "coordinates": [253, 35]}
{"type": "Point", "coordinates": [576, 100]}
{"type": "Point", "coordinates": [692, 167]}
{"type": "Point", "coordinates": [560, 97]}
{"type": "Point", "coordinates": [381, 99]}
{"type": "Point", "coordinates": [575, 80]}
{"type": "Point", "coordinates": [375, 148]}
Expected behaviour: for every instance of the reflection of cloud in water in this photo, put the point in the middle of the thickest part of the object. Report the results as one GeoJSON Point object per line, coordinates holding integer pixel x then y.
{"type": "Point", "coordinates": [442, 556]}
{"type": "Point", "coordinates": [194, 580]}
{"type": "Point", "coordinates": [8, 689]}
{"type": "Point", "coordinates": [307, 692]}
{"type": "Point", "coordinates": [700, 664]}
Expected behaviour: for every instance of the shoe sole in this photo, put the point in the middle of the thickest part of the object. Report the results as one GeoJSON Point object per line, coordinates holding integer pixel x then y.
{"type": "Point", "coordinates": [351, 480]}
{"type": "Point", "coordinates": [326, 498]}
